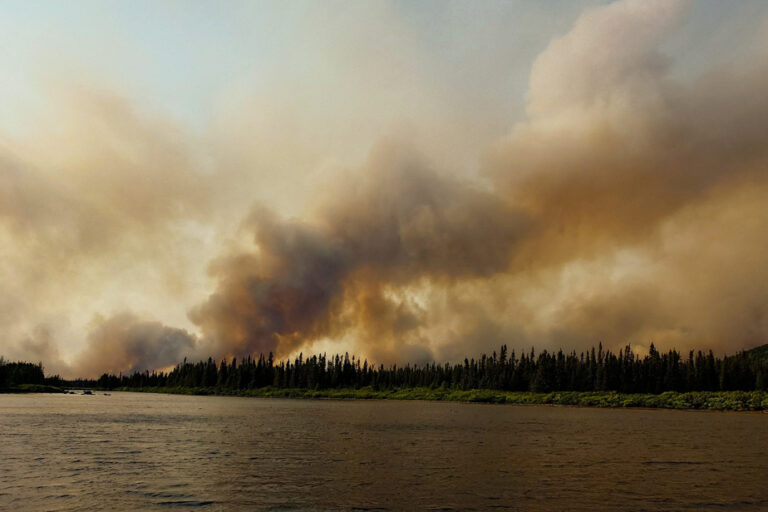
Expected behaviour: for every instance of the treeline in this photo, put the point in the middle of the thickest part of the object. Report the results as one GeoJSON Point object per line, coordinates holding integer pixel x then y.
{"type": "Point", "coordinates": [17, 373]}
{"type": "Point", "coordinates": [594, 370]}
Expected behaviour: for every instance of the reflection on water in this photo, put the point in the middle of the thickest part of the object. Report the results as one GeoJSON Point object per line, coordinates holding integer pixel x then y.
{"type": "Point", "coordinates": [153, 452]}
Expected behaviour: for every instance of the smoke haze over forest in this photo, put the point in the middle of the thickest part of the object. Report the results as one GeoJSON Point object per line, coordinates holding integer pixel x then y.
{"type": "Point", "coordinates": [390, 184]}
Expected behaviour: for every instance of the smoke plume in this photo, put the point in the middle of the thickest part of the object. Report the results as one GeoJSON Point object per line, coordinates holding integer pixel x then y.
{"type": "Point", "coordinates": [616, 165]}
{"type": "Point", "coordinates": [125, 343]}
{"type": "Point", "coordinates": [400, 223]}
{"type": "Point", "coordinates": [628, 206]}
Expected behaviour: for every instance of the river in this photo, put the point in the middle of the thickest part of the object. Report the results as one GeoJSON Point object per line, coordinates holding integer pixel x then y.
{"type": "Point", "coordinates": [131, 451]}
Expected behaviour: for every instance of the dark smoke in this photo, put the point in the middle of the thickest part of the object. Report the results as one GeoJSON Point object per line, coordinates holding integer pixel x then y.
{"type": "Point", "coordinates": [124, 343]}
{"type": "Point", "coordinates": [307, 280]}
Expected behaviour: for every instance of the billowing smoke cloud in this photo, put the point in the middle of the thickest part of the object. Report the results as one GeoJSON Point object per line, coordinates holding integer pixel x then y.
{"type": "Point", "coordinates": [649, 185]}
{"type": "Point", "coordinates": [398, 224]}
{"type": "Point", "coordinates": [124, 343]}
{"type": "Point", "coordinates": [627, 207]}
{"type": "Point", "coordinates": [597, 183]}
{"type": "Point", "coordinates": [612, 146]}
{"type": "Point", "coordinates": [101, 197]}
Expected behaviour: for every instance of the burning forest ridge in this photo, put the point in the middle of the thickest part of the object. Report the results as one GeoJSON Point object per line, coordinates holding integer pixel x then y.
{"type": "Point", "coordinates": [627, 206]}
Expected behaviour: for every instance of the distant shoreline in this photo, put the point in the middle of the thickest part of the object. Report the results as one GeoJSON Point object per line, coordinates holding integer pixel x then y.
{"type": "Point", "coordinates": [701, 400]}
{"type": "Point", "coordinates": [754, 401]}
{"type": "Point", "coordinates": [32, 388]}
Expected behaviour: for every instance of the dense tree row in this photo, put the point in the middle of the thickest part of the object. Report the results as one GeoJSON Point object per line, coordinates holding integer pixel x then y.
{"type": "Point", "coordinates": [14, 374]}
{"type": "Point", "coordinates": [594, 370]}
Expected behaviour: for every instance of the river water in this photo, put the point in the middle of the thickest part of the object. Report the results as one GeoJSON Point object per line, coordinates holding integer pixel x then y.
{"type": "Point", "coordinates": [133, 451]}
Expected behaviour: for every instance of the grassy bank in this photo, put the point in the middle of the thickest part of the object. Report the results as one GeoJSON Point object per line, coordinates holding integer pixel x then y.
{"type": "Point", "coordinates": [32, 388]}
{"type": "Point", "coordinates": [717, 401]}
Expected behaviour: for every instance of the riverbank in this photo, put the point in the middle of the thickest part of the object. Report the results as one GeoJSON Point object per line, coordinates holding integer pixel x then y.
{"type": "Point", "coordinates": [32, 388]}
{"type": "Point", "coordinates": [700, 400]}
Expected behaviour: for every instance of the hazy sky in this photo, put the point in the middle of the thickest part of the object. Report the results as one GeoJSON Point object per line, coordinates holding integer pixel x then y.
{"type": "Point", "coordinates": [408, 180]}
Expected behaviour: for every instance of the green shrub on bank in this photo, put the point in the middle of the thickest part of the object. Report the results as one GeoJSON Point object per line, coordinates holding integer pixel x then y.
{"type": "Point", "coordinates": [32, 388]}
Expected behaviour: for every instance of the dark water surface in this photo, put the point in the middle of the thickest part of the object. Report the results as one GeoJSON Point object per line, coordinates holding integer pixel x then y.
{"type": "Point", "coordinates": [153, 452]}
